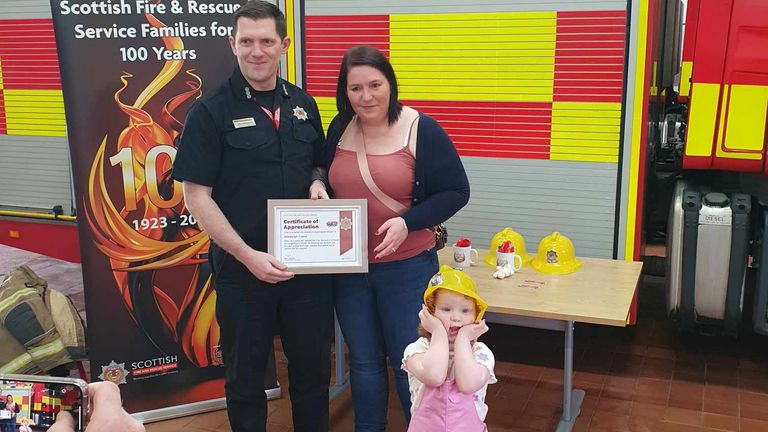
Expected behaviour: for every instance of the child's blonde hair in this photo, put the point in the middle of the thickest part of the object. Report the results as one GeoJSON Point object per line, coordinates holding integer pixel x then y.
{"type": "Point", "coordinates": [430, 301]}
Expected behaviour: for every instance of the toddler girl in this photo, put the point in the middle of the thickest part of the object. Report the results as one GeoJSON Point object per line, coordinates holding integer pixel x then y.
{"type": "Point", "coordinates": [448, 371]}
{"type": "Point", "coordinates": [25, 422]}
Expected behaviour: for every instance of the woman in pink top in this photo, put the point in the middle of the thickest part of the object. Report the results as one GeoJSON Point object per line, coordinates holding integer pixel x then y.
{"type": "Point", "coordinates": [422, 183]}
{"type": "Point", "coordinates": [11, 408]}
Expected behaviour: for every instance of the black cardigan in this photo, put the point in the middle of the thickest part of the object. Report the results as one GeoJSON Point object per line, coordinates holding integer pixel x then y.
{"type": "Point", "coordinates": [441, 187]}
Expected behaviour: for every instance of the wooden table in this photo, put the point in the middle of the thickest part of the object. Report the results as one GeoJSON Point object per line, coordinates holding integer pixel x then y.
{"type": "Point", "coordinates": [601, 292]}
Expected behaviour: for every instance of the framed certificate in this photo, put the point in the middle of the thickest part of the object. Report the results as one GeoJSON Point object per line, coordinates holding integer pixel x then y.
{"type": "Point", "coordinates": [319, 236]}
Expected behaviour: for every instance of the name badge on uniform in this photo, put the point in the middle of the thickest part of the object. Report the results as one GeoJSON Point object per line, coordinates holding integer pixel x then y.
{"type": "Point", "coordinates": [244, 122]}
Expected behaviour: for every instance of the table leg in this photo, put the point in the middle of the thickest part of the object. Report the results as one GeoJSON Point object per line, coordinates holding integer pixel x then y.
{"type": "Point", "coordinates": [342, 378]}
{"type": "Point", "coordinates": [572, 399]}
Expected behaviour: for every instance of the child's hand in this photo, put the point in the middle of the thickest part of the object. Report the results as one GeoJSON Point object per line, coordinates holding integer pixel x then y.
{"type": "Point", "coordinates": [473, 331]}
{"type": "Point", "coordinates": [429, 322]}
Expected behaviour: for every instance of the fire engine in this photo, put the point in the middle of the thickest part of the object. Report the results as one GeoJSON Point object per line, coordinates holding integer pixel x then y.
{"type": "Point", "coordinates": [48, 402]}
{"type": "Point", "coordinates": [707, 182]}
{"type": "Point", "coordinates": [40, 402]}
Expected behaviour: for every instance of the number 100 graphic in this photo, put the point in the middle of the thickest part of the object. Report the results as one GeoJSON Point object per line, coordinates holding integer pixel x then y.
{"type": "Point", "coordinates": [124, 158]}
{"type": "Point", "coordinates": [152, 233]}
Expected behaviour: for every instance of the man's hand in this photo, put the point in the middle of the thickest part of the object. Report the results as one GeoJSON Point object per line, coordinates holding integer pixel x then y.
{"type": "Point", "coordinates": [209, 215]}
{"type": "Point", "coordinates": [317, 190]}
{"type": "Point", "coordinates": [107, 412]}
{"type": "Point", "coordinates": [396, 233]}
{"type": "Point", "coordinates": [474, 330]}
{"type": "Point", "coordinates": [265, 267]}
{"type": "Point", "coordinates": [430, 322]}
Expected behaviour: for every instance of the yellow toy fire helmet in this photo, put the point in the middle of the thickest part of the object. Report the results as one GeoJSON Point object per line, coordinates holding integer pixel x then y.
{"type": "Point", "coordinates": [556, 255]}
{"type": "Point", "coordinates": [517, 241]}
{"type": "Point", "coordinates": [458, 282]}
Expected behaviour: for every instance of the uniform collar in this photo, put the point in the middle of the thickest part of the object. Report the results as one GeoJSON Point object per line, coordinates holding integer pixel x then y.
{"type": "Point", "coordinates": [241, 89]}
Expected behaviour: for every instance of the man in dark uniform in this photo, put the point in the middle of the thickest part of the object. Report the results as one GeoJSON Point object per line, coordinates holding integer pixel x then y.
{"type": "Point", "coordinates": [254, 138]}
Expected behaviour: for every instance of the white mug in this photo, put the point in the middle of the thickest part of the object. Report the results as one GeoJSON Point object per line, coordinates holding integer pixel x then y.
{"type": "Point", "coordinates": [509, 259]}
{"type": "Point", "coordinates": [463, 256]}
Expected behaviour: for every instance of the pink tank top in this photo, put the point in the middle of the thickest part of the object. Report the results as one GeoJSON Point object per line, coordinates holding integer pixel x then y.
{"type": "Point", "coordinates": [394, 174]}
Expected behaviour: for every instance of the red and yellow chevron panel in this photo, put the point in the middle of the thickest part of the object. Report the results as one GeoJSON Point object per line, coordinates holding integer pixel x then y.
{"type": "Point", "coordinates": [499, 129]}
{"type": "Point", "coordinates": [328, 37]}
{"type": "Point", "coordinates": [31, 102]}
{"type": "Point", "coordinates": [586, 131]}
{"type": "Point", "coordinates": [492, 57]}
{"type": "Point", "coordinates": [28, 52]}
{"type": "Point", "coordinates": [530, 85]}
{"type": "Point", "coordinates": [589, 58]}
{"type": "Point", "coordinates": [3, 123]}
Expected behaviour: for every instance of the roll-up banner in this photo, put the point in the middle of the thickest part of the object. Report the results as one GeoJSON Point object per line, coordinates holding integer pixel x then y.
{"type": "Point", "coordinates": [130, 70]}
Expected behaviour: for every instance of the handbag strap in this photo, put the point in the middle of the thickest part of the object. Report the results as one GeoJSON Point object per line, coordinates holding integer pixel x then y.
{"type": "Point", "coordinates": [362, 162]}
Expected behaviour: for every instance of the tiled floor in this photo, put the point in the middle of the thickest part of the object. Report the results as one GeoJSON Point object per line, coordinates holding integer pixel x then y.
{"type": "Point", "coordinates": [642, 378]}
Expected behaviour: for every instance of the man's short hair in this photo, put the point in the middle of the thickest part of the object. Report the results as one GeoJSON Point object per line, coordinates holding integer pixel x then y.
{"type": "Point", "coordinates": [258, 9]}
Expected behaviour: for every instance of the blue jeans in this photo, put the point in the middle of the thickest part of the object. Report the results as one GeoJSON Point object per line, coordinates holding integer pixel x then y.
{"type": "Point", "coordinates": [379, 315]}
{"type": "Point", "coordinates": [8, 425]}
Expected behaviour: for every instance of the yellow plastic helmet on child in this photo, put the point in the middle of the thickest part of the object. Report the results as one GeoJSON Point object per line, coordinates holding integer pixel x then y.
{"type": "Point", "coordinates": [457, 281]}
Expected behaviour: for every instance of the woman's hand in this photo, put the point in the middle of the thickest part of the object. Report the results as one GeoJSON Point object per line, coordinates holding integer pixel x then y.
{"type": "Point", "coordinates": [396, 233]}
{"type": "Point", "coordinates": [429, 321]}
{"type": "Point", "coordinates": [317, 190]}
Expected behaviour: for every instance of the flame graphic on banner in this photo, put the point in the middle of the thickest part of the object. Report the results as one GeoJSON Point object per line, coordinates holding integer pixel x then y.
{"type": "Point", "coordinates": [140, 254]}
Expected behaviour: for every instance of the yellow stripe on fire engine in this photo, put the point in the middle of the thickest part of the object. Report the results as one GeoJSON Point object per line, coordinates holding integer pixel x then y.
{"type": "Point", "coordinates": [637, 121]}
{"type": "Point", "coordinates": [723, 112]}
{"type": "Point", "coordinates": [701, 120]}
{"type": "Point", "coordinates": [685, 78]}
{"type": "Point", "coordinates": [290, 54]}
{"type": "Point", "coordinates": [585, 132]}
{"type": "Point", "coordinates": [35, 112]}
{"type": "Point", "coordinates": [745, 128]}
{"type": "Point", "coordinates": [327, 108]}
{"type": "Point", "coordinates": [507, 56]}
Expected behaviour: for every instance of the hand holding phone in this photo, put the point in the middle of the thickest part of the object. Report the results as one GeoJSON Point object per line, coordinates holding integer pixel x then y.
{"type": "Point", "coordinates": [107, 412]}
{"type": "Point", "coordinates": [63, 405]}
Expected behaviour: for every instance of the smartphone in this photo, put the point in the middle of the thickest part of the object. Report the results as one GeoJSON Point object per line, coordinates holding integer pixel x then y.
{"type": "Point", "coordinates": [34, 401]}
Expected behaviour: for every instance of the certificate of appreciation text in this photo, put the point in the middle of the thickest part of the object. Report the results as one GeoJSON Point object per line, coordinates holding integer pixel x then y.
{"type": "Point", "coordinates": [319, 236]}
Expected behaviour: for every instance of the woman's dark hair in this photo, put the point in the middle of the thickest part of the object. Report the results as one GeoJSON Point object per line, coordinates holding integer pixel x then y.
{"type": "Point", "coordinates": [366, 56]}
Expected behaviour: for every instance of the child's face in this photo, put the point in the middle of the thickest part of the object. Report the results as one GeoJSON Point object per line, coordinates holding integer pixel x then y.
{"type": "Point", "coordinates": [454, 311]}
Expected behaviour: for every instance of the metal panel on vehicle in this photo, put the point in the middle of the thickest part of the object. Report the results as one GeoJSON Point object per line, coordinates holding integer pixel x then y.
{"type": "Point", "coordinates": [530, 92]}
